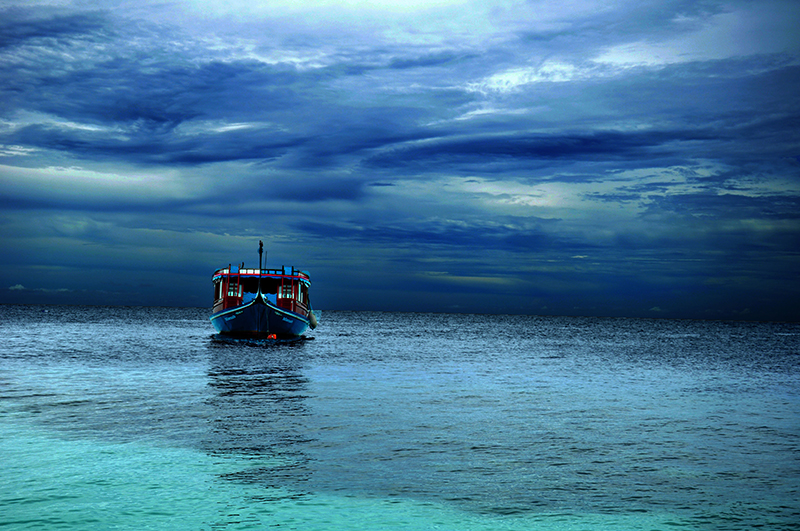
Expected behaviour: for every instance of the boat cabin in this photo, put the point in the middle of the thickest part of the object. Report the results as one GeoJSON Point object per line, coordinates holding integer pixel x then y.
{"type": "Point", "coordinates": [286, 288]}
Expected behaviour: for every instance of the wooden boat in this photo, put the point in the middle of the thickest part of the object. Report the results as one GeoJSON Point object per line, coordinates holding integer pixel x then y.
{"type": "Point", "coordinates": [262, 303]}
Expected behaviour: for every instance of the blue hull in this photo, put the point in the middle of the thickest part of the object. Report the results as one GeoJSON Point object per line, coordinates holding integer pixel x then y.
{"type": "Point", "coordinates": [259, 318]}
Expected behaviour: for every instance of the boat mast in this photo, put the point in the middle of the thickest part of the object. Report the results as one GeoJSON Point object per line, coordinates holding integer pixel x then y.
{"type": "Point", "coordinates": [260, 251]}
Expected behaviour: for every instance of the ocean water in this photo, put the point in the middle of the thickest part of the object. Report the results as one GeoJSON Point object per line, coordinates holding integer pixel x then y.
{"type": "Point", "coordinates": [140, 418]}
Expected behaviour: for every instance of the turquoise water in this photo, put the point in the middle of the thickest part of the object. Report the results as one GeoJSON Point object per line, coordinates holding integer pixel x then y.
{"type": "Point", "coordinates": [137, 418]}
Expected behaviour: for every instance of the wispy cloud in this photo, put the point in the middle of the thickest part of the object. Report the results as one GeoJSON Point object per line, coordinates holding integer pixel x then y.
{"type": "Point", "coordinates": [20, 287]}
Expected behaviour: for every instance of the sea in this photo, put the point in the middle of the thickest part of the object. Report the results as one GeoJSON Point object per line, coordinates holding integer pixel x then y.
{"type": "Point", "coordinates": [142, 418]}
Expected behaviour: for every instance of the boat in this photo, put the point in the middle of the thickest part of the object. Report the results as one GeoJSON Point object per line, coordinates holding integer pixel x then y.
{"type": "Point", "coordinates": [262, 303]}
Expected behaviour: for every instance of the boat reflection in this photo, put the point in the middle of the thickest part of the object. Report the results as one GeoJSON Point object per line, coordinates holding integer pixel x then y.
{"type": "Point", "coordinates": [259, 411]}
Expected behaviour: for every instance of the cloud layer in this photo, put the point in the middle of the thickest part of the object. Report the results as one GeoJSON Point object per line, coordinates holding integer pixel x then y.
{"type": "Point", "coordinates": [451, 155]}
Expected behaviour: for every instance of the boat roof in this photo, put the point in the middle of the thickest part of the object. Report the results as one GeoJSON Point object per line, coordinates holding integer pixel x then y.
{"type": "Point", "coordinates": [285, 272]}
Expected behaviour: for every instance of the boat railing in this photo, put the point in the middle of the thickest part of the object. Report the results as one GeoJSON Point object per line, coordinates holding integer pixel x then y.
{"type": "Point", "coordinates": [285, 271]}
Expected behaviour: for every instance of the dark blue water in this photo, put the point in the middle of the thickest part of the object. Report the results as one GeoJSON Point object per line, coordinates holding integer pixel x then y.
{"type": "Point", "coordinates": [131, 418]}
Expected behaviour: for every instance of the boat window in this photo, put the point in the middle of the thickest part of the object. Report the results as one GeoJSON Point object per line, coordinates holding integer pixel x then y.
{"type": "Point", "coordinates": [234, 290]}
{"type": "Point", "coordinates": [286, 291]}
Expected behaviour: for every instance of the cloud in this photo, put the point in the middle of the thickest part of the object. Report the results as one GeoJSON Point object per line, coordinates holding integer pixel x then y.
{"type": "Point", "coordinates": [609, 157]}
{"type": "Point", "coordinates": [736, 31]}
{"type": "Point", "coordinates": [517, 152]}
{"type": "Point", "coordinates": [23, 25]}
{"type": "Point", "coordinates": [20, 287]}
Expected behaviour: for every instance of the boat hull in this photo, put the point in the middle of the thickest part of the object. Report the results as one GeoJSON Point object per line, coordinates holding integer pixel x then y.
{"type": "Point", "coordinates": [259, 318]}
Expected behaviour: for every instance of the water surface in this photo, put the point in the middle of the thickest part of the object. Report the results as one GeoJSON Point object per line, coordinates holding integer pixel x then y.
{"type": "Point", "coordinates": [137, 417]}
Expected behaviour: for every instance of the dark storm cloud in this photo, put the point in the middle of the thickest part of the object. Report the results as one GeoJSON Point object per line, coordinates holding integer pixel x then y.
{"type": "Point", "coordinates": [441, 235]}
{"type": "Point", "coordinates": [428, 60]}
{"type": "Point", "coordinates": [731, 206]}
{"type": "Point", "coordinates": [600, 146]}
{"type": "Point", "coordinates": [23, 25]}
{"type": "Point", "coordinates": [138, 103]}
{"type": "Point", "coordinates": [154, 146]}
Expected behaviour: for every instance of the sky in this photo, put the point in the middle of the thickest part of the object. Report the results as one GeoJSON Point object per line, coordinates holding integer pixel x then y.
{"type": "Point", "coordinates": [635, 158]}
